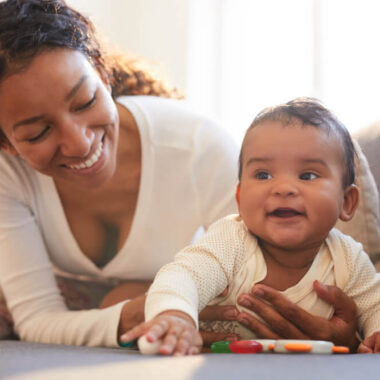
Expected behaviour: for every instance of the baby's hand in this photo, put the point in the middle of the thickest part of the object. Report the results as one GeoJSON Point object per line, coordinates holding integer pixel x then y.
{"type": "Point", "coordinates": [176, 330]}
{"type": "Point", "coordinates": [371, 344]}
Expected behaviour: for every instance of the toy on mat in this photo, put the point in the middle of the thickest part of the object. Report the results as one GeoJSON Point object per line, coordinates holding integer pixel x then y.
{"type": "Point", "coordinates": [309, 346]}
{"type": "Point", "coordinates": [243, 346]}
{"type": "Point", "coordinates": [278, 346]}
{"type": "Point", "coordinates": [148, 348]}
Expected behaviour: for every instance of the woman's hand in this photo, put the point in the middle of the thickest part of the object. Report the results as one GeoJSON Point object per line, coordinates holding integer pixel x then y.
{"type": "Point", "coordinates": [285, 320]}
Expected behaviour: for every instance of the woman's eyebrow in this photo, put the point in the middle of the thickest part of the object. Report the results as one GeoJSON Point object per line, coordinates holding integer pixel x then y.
{"type": "Point", "coordinates": [29, 120]}
{"type": "Point", "coordinates": [75, 89]}
{"type": "Point", "coordinates": [34, 119]}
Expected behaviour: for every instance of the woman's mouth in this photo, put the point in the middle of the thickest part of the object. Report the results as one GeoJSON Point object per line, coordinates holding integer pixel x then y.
{"type": "Point", "coordinates": [90, 161]}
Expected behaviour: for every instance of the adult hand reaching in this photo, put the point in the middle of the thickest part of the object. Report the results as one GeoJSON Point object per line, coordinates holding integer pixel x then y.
{"type": "Point", "coordinates": [285, 320]}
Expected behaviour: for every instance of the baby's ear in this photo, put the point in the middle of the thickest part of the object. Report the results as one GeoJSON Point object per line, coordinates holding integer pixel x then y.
{"type": "Point", "coordinates": [237, 195]}
{"type": "Point", "coordinates": [350, 203]}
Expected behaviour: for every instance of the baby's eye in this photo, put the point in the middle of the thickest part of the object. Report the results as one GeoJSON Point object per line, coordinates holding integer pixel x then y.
{"type": "Point", "coordinates": [263, 175]}
{"type": "Point", "coordinates": [308, 176]}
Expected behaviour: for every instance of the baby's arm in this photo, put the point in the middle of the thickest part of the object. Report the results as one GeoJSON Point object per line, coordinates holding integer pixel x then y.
{"type": "Point", "coordinates": [371, 344]}
{"type": "Point", "coordinates": [175, 329]}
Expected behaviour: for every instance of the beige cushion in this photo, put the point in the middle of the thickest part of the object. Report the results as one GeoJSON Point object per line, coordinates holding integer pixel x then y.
{"type": "Point", "coordinates": [365, 225]}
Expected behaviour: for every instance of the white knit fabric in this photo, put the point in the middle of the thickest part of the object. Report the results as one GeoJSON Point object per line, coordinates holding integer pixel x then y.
{"type": "Point", "coordinates": [228, 255]}
{"type": "Point", "coordinates": [184, 157]}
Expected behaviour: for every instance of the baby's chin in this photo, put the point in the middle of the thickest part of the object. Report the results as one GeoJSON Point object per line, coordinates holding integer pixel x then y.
{"type": "Point", "coordinates": [291, 243]}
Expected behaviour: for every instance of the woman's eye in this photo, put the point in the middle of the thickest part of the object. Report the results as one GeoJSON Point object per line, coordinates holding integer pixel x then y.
{"type": "Point", "coordinates": [86, 105]}
{"type": "Point", "coordinates": [263, 175]}
{"type": "Point", "coordinates": [308, 176]}
{"type": "Point", "coordinates": [40, 135]}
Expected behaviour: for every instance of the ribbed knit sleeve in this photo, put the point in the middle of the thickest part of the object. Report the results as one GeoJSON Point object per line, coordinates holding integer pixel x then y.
{"type": "Point", "coordinates": [200, 272]}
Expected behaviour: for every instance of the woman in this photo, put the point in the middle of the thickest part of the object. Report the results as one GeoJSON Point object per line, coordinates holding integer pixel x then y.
{"type": "Point", "coordinates": [104, 184]}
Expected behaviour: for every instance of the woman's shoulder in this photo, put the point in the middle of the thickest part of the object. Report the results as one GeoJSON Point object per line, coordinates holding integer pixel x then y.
{"type": "Point", "coordinates": [168, 116]}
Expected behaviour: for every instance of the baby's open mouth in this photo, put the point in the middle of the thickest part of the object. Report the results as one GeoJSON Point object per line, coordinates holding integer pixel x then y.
{"type": "Point", "coordinates": [285, 213]}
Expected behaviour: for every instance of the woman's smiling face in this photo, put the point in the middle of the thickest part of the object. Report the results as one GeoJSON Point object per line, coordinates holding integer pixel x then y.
{"type": "Point", "coordinates": [59, 116]}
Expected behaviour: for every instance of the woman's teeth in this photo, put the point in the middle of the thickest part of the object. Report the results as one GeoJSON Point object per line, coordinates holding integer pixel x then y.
{"type": "Point", "coordinates": [91, 161]}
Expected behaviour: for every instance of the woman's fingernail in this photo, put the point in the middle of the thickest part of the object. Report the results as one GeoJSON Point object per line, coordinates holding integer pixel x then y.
{"type": "Point", "coordinates": [243, 321]}
{"type": "Point", "coordinates": [321, 284]}
{"type": "Point", "coordinates": [257, 292]}
{"type": "Point", "coordinates": [231, 314]}
{"type": "Point", "coordinates": [245, 302]}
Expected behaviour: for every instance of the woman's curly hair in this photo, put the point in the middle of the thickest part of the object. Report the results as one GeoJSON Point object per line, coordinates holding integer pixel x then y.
{"type": "Point", "coordinates": [28, 27]}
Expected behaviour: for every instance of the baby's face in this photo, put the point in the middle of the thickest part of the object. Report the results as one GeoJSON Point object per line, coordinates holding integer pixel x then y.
{"type": "Point", "coordinates": [291, 191]}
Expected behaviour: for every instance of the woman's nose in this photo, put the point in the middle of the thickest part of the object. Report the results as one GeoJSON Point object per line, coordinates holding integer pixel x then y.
{"type": "Point", "coordinates": [76, 141]}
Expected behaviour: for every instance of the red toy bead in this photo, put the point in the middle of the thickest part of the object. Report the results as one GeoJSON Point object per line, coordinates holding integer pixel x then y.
{"type": "Point", "coordinates": [245, 347]}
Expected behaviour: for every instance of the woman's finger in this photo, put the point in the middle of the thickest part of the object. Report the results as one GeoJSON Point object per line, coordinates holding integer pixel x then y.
{"type": "Point", "coordinates": [219, 313]}
{"type": "Point", "coordinates": [345, 308]}
{"type": "Point", "coordinates": [209, 337]}
{"type": "Point", "coordinates": [274, 319]}
{"type": "Point", "coordinates": [293, 320]}
{"type": "Point", "coordinates": [259, 328]}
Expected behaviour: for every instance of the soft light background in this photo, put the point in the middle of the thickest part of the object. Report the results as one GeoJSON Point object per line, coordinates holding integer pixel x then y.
{"type": "Point", "coordinates": [234, 57]}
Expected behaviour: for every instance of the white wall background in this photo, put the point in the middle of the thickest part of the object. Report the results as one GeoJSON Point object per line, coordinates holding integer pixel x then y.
{"type": "Point", "coordinates": [154, 29]}
{"type": "Point", "coordinates": [234, 57]}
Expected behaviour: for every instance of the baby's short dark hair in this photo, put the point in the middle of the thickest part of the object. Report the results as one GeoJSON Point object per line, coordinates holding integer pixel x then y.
{"type": "Point", "coordinates": [309, 111]}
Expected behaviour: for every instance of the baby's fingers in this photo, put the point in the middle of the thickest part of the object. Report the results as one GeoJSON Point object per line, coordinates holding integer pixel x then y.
{"type": "Point", "coordinates": [153, 330]}
{"type": "Point", "coordinates": [363, 349]}
{"type": "Point", "coordinates": [170, 341]}
{"type": "Point", "coordinates": [370, 344]}
{"type": "Point", "coordinates": [134, 333]}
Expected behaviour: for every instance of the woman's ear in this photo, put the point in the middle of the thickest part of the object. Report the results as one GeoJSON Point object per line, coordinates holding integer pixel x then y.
{"type": "Point", "coordinates": [350, 203]}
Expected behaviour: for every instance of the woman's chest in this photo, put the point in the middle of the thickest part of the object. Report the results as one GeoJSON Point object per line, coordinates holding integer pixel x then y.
{"type": "Point", "coordinates": [101, 232]}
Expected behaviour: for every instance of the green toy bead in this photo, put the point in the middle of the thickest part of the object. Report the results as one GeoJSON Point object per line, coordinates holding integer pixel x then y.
{"type": "Point", "coordinates": [130, 344]}
{"type": "Point", "coordinates": [221, 347]}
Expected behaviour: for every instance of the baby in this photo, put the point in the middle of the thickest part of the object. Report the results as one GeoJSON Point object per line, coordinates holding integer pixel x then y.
{"type": "Point", "coordinates": [296, 179]}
